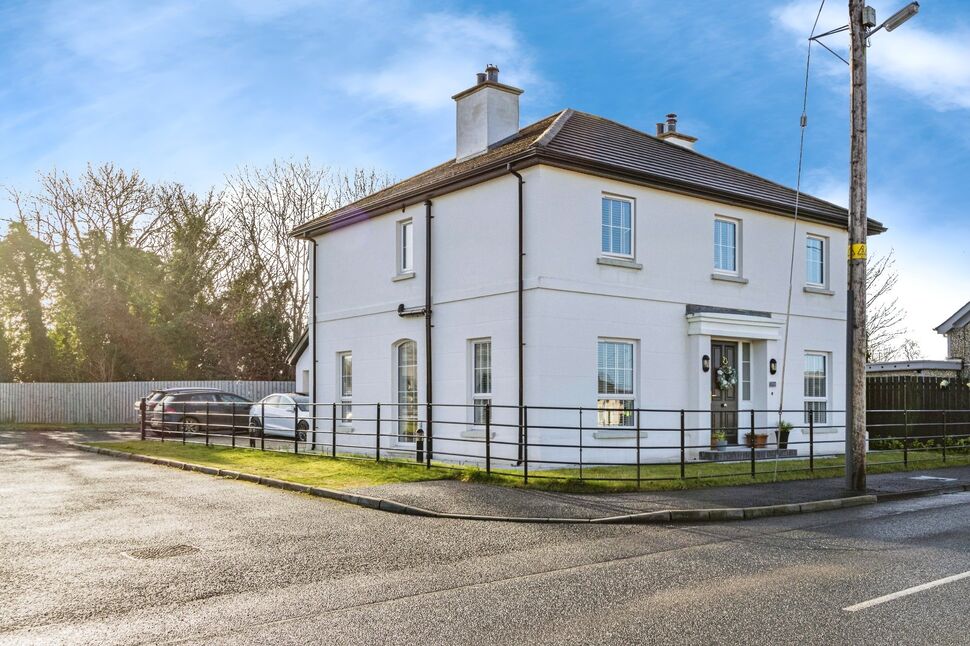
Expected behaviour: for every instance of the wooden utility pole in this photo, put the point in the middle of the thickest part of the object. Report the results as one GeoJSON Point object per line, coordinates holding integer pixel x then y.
{"type": "Point", "coordinates": [855, 424]}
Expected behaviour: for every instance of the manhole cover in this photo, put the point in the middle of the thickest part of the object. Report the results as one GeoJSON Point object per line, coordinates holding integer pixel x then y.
{"type": "Point", "coordinates": [162, 552]}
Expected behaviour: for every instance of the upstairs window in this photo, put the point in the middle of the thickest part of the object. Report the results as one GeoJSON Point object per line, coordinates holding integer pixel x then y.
{"type": "Point", "coordinates": [614, 396]}
{"type": "Point", "coordinates": [726, 246]}
{"type": "Point", "coordinates": [617, 227]}
{"type": "Point", "coordinates": [815, 261]}
{"type": "Point", "coordinates": [405, 240]}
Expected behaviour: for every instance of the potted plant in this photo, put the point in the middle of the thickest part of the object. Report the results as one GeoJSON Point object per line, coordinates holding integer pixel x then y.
{"type": "Point", "coordinates": [784, 428]}
{"type": "Point", "coordinates": [719, 440]}
{"type": "Point", "coordinates": [756, 440]}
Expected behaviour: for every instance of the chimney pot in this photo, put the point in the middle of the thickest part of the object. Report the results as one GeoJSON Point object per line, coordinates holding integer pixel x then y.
{"type": "Point", "coordinates": [660, 129]}
{"type": "Point", "coordinates": [481, 77]}
{"type": "Point", "coordinates": [671, 122]}
{"type": "Point", "coordinates": [491, 73]}
{"type": "Point", "coordinates": [668, 132]}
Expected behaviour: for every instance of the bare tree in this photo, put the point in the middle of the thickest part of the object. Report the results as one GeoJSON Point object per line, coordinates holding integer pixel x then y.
{"type": "Point", "coordinates": [263, 205]}
{"type": "Point", "coordinates": [885, 329]}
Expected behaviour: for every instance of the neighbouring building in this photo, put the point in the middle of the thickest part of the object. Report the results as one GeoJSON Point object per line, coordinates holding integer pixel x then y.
{"type": "Point", "coordinates": [957, 332]}
{"type": "Point", "coordinates": [575, 262]}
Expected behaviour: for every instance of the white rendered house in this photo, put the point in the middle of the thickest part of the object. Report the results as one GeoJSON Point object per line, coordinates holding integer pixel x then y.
{"type": "Point", "coordinates": [575, 262]}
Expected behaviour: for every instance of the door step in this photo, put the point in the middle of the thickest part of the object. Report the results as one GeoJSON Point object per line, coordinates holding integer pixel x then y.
{"type": "Point", "coordinates": [740, 454]}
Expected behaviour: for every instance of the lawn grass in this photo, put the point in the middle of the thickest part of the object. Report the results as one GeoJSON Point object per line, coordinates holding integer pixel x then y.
{"type": "Point", "coordinates": [344, 473]}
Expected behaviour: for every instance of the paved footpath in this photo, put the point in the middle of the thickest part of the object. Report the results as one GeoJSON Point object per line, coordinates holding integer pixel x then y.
{"type": "Point", "coordinates": [98, 550]}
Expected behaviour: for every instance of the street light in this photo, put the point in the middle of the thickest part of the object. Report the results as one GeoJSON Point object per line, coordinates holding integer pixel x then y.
{"type": "Point", "coordinates": [861, 21]}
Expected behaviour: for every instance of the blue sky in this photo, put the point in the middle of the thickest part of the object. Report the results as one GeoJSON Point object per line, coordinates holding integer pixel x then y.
{"type": "Point", "coordinates": [187, 91]}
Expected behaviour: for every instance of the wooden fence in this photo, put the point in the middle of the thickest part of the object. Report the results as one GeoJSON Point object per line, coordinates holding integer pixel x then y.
{"type": "Point", "coordinates": [917, 407]}
{"type": "Point", "coordinates": [103, 403]}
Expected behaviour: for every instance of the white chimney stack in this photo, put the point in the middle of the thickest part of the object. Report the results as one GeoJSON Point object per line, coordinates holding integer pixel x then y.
{"type": "Point", "coordinates": [668, 132]}
{"type": "Point", "coordinates": [487, 113]}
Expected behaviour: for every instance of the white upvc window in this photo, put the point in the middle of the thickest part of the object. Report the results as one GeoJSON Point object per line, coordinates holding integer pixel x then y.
{"type": "Point", "coordinates": [345, 387]}
{"type": "Point", "coordinates": [481, 378]}
{"type": "Point", "coordinates": [815, 261]}
{"type": "Point", "coordinates": [816, 387]}
{"type": "Point", "coordinates": [405, 247]}
{"type": "Point", "coordinates": [726, 245]}
{"type": "Point", "coordinates": [615, 376]}
{"type": "Point", "coordinates": [406, 386]}
{"type": "Point", "coordinates": [746, 372]}
{"type": "Point", "coordinates": [617, 227]}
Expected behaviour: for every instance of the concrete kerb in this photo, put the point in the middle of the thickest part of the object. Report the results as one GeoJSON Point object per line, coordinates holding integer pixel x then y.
{"type": "Point", "coordinates": [650, 517]}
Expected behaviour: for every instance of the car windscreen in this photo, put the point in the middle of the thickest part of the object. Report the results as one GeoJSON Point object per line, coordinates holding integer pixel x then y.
{"type": "Point", "coordinates": [302, 402]}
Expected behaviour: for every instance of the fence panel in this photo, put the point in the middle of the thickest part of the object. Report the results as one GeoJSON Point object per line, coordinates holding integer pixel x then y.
{"type": "Point", "coordinates": [925, 398]}
{"type": "Point", "coordinates": [103, 403]}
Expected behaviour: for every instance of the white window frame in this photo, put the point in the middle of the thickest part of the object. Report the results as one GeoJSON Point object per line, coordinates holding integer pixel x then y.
{"type": "Point", "coordinates": [620, 397]}
{"type": "Point", "coordinates": [737, 246]}
{"type": "Point", "coordinates": [633, 227]}
{"type": "Point", "coordinates": [820, 417]}
{"type": "Point", "coordinates": [345, 398]}
{"type": "Point", "coordinates": [405, 247]}
{"type": "Point", "coordinates": [400, 416]}
{"type": "Point", "coordinates": [825, 262]}
{"type": "Point", "coordinates": [745, 370]}
{"type": "Point", "coordinates": [477, 399]}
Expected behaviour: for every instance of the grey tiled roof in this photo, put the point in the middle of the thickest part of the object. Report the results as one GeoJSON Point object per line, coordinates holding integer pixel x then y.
{"type": "Point", "coordinates": [593, 144]}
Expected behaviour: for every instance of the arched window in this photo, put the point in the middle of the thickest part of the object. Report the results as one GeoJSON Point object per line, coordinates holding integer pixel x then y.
{"type": "Point", "coordinates": [406, 386]}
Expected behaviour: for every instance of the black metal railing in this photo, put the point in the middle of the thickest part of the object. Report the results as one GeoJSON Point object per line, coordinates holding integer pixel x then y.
{"type": "Point", "coordinates": [556, 442]}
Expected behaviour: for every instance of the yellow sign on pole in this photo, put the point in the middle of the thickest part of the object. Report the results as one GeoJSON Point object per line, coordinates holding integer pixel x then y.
{"type": "Point", "coordinates": [857, 252]}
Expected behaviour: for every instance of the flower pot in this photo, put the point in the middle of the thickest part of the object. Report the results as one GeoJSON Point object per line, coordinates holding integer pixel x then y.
{"type": "Point", "coordinates": [720, 445]}
{"type": "Point", "coordinates": [757, 441]}
{"type": "Point", "coordinates": [783, 439]}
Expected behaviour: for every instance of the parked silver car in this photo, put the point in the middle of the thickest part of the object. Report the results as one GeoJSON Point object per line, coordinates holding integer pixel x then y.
{"type": "Point", "coordinates": [281, 415]}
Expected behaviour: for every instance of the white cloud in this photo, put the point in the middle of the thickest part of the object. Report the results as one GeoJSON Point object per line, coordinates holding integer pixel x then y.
{"type": "Point", "coordinates": [438, 55]}
{"type": "Point", "coordinates": [932, 66]}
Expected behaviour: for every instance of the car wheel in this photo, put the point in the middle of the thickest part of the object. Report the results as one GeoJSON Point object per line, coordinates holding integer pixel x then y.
{"type": "Point", "coordinates": [255, 431]}
{"type": "Point", "coordinates": [301, 430]}
{"type": "Point", "coordinates": [191, 426]}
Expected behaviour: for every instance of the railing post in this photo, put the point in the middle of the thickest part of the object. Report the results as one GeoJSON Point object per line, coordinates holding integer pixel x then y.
{"type": "Point", "coordinates": [428, 439]}
{"type": "Point", "coordinates": [944, 436]}
{"type": "Point", "coordinates": [377, 435]}
{"type": "Point", "coordinates": [580, 443]}
{"type": "Point", "coordinates": [754, 445]}
{"type": "Point", "coordinates": [811, 441]}
{"type": "Point", "coordinates": [638, 448]}
{"type": "Point", "coordinates": [296, 427]}
{"type": "Point", "coordinates": [207, 423]}
{"type": "Point", "coordinates": [488, 437]}
{"type": "Point", "coordinates": [141, 418]}
{"type": "Point", "coordinates": [906, 437]}
{"type": "Point", "coordinates": [683, 446]}
{"type": "Point", "coordinates": [525, 441]}
{"type": "Point", "coordinates": [262, 427]}
{"type": "Point", "coordinates": [333, 430]}
{"type": "Point", "coordinates": [232, 413]}
{"type": "Point", "coordinates": [183, 424]}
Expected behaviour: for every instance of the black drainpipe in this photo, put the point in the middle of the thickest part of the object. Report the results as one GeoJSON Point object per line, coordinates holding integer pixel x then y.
{"type": "Point", "coordinates": [521, 332]}
{"type": "Point", "coordinates": [427, 326]}
{"type": "Point", "coordinates": [313, 334]}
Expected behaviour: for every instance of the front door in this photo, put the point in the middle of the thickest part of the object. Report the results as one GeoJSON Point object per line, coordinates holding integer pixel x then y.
{"type": "Point", "coordinates": [724, 390]}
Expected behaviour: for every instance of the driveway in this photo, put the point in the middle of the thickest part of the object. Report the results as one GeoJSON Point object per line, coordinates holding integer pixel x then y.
{"type": "Point", "coordinates": [105, 551]}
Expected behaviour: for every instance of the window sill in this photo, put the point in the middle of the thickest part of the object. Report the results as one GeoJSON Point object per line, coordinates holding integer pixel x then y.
{"type": "Point", "coordinates": [403, 276]}
{"type": "Point", "coordinates": [729, 278]}
{"type": "Point", "coordinates": [476, 433]}
{"type": "Point", "coordinates": [811, 289]}
{"type": "Point", "coordinates": [618, 262]}
{"type": "Point", "coordinates": [618, 434]}
{"type": "Point", "coordinates": [821, 431]}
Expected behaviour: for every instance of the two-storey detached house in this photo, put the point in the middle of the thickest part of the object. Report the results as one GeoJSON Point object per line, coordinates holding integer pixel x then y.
{"type": "Point", "coordinates": [575, 262]}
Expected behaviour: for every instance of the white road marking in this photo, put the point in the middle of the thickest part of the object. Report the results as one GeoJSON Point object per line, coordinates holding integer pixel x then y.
{"type": "Point", "coordinates": [906, 592]}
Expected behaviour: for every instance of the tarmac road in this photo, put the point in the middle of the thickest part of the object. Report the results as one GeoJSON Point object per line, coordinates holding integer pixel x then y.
{"type": "Point", "coordinates": [276, 567]}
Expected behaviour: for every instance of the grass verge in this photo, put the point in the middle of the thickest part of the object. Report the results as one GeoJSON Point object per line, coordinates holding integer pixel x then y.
{"type": "Point", "coordinates": [343, 473]}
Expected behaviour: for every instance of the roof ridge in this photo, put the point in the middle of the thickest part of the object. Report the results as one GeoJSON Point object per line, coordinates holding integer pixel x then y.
{"type": "Point", "coordinates": [707, 157]}
{"type": "Point", "coordinates": [553, 129]}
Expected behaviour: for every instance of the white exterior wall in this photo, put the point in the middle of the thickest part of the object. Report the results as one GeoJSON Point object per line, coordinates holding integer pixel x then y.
{"type": "Point", "coordinates": [571, 302]}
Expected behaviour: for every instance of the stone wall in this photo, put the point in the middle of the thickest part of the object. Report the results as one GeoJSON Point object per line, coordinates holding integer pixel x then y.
{"type": "Point", "coordinates": [958, 346]}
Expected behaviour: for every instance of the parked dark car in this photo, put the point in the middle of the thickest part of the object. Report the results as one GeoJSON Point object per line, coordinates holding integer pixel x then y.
{"type": "Point", "coordinates": [193, 412]}
{"type": "Point", "coordinates": [155, 396]}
